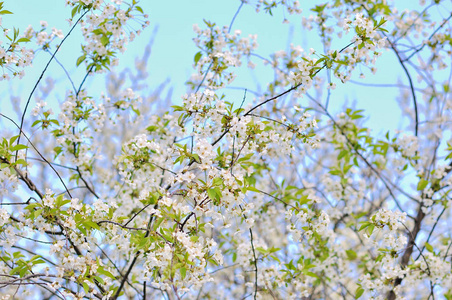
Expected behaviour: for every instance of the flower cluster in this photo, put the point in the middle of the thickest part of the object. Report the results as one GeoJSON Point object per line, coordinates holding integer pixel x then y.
{"type": "Point", "coordinates": [220, 50]}
{"type": "Point", "coordinates": [393, 219]}
{"type": "Point", "coordinates": [42, 37]}
{"type": "Point", "coordinates": [106, 29]}
{"type": "Point", "coordinates": [8, 182]}
{"type": "Point", "coordinates": [13, 57]}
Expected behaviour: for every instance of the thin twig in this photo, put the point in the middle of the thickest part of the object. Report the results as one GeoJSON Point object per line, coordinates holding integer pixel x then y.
{"type": "Point", "coordinates": [254, 256]}
{"type": "Point", "coordinates": [43, 72]}
{"type": "Point", "coordinates": [39, 153]}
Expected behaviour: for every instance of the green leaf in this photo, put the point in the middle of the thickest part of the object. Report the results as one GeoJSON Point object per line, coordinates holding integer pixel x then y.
{"type": "Point", "coordinates": [99, 279]}
{"type": "Point", "coordinates": [183, 272]}
{"type": "Point", "coordinates": [197, 57]}
{"type": "Point", "coordinates": [38, 261]}
{"type": "Point", "coordinates": [213, 262]}
{"type": "Point", "coordinates": [138, 8]}
{"type": "Point", "coordinates": [98, 31]}
{"type": "Point", "coordinates": [91, 224]}
{"type": "Point", "coordinates": [11, 140]}
{"type": "Point", "coordinates": [252, 189]}
{"type": "Point", "coordinates": [157, 223]}
{"type": "Point", "coordinates": [371, 229]}
{"type": "Point", "coordinates": [35, 257]}
{"type": "Point", "coordinates": [178, 108]}
{"type": "Point", "coordinates": [37, 213]}
{"type": "Point", "coordinates": [359, 292]}
{"type": "Point", "coordinates": [261, 250]}
{"type": "Point", "coordinates": [5, 12]}
{"type": "Point", "coordinates": [74, 11]}
{"type": "Point", "coordinates": [196, 158]}
{"type": "Point", "coordinates": [104, 40]}
{"type": "Point", "coordinates": [311, 274]}
{"type": "Point", "coordinates": [102, 271]}
{"type": "Point", "coordinates": [422, 184]}
{"type": "Point", "coordinates": [275, 258]}
{"type": "Point", "coordinates": [23, 40]}
{"type": "Point", "coordinates": [35, 123]}
{"type": "Point", "coordinates": [21, 162]}
{"type": "Point", "coordinates": [351, 254]}
{"type": "Point", "coordinates": [80, 60]}
{"type": "Point", "coordinates": [342, 154]}
{"type": "Point", "coordinates": [217, 181]}
{"type": "Point", "coordinates": [212, 194]}
{"type": "Point", "coordinates": [429, 247]}
{"type": "Point", "coordinates": [15, 270]}
{"type": "Point", "coordinates": [329, 64]}
{"type": "Point", "coordinates": [23, 271]}
{"type": "Point", "coordinates": [18, 147]}
{"type": "Point", "coordinates": [18, 254]}
{"type": "Point", "coordinates": [364, 225]}
{"type": "Point", "coordinates": [85, 287]}
{"type": "Point", "coordinates": [309, 266]}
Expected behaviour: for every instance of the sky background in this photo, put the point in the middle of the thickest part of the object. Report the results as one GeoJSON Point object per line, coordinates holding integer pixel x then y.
{"type": "Point", "coordinates": [173, 51]}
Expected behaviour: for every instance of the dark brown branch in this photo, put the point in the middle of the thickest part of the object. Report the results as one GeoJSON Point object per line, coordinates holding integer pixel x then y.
{"type": "Point", "coordinates": [412, 238]}
{"type": "Point", "coordinates": [413, 93]}
{"type": "Point", "coordinates": [292, 88]}
{"type": "Point", "coordinates": [25, 179]}
{"type": "Point", "coordinates": [254, 256]}
{"type": "Point", "coordinates": [39, 153]}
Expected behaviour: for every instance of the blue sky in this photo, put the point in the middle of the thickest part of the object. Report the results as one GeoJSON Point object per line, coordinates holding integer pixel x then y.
{"type": "Point", "coordinates": [173, 51]}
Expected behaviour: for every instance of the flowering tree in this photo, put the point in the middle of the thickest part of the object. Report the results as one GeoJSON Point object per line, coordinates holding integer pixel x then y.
{"type": "Point", "coordinates": [112, 197]}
